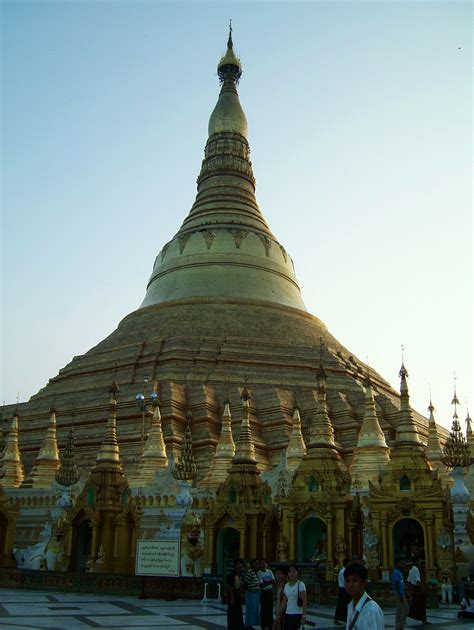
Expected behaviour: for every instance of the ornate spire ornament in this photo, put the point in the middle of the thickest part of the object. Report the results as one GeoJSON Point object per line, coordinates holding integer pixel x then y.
{"type": "Point", "coordinates": [68, 473]}
{"type": "Point", "coordinates": [296, 448]}
{"type": "Point", "coordinates": [12, 467]}
{"type": "Point", "coordinates": [225, 451]}
{"type": "Point", "coordinates": [154, 456]}
{"type": "Point", "coordinates": [457, 456]}
{"type": "Point", "coordinates": [456, 451]}
{"type": "Point", "coordinates": [109, 452]}
{"type": "Point", "coordinates": [245, 449]}
{"type": "Point", "coordinates": [371, 454]}
{"type": "Point", "coordinates": [469, 432]}
{"type": "Point", "coordinates": [229, 66]}
{"type": "Point", "coordinates": [406, 429]}
{"type": "Point", "coordinates": [185, 469]}
{"type": "Point", "coordinates": [47, 462]}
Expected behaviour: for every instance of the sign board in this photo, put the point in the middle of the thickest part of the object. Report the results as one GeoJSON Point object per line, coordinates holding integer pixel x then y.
{"type": "Point", "coordinates": [157, 557]}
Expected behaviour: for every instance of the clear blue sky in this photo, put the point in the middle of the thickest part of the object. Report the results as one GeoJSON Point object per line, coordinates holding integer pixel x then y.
{"type": "Point", "coordinates": [360, 129]}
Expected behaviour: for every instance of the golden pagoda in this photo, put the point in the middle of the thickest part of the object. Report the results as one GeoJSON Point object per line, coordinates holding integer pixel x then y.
{"type": "Point", "coordinates": [223, 308]}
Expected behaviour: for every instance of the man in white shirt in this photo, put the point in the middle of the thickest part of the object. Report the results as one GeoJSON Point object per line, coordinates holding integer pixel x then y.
{"type": "Point", "coordinates": [362, 613]}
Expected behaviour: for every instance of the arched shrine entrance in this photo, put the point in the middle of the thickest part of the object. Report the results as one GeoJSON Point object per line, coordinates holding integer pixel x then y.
{"type": "Point", "coordinates": [81, 546]}
{"type": "Point", "coordinates": [227, 548]}
{"type": "Point", "coordinates": [312, 540]}
{"type": "Point", "coordinates": [408, 539]}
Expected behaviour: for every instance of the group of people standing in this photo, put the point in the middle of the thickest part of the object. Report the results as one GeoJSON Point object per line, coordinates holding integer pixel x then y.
{"type": "Point", "coordinates": [274, 601]}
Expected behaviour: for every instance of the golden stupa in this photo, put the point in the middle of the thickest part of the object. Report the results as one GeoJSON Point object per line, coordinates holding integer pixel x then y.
{"type": "Point", "coordinates": [243, 376]}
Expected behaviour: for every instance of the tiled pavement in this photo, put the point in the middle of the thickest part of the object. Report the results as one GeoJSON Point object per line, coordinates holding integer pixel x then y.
{"type": "Point", "coordinates": [32, 610]}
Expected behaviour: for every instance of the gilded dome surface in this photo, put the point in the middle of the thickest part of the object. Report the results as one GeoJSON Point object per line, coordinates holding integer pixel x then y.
{"type": "Point", "coordinates": [228, 115]}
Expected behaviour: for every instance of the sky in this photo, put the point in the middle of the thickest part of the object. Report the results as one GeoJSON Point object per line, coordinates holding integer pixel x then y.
{"type": "Point", "coordinates": [361, 135]}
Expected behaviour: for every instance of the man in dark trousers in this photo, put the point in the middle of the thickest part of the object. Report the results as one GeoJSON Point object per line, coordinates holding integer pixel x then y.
{"type": "Point", "coordinates": [343, 598]}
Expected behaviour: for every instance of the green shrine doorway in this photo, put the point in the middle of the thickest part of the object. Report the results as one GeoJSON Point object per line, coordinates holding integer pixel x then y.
{"type": "Point", "coordinates": [82, 539]}
{"type": "Point", "coordinates": [312, 540]}
{"type": "Point", "coordinates": [408, 539]}
{"type": "Point", "coordinates": [227, 549]}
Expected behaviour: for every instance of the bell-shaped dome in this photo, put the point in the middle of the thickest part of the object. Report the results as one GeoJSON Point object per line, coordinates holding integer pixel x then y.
{"type": "Point", "coordinates": [225, 249]}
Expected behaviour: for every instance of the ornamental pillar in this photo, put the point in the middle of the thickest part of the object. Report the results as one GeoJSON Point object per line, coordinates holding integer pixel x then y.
{"type": "Point", "coordinates": [209, 551]}
{"type": "Point", "coordinates": [430, 559]}
{"type": "Point", "coordinates": [243, 540]}
{"type": "Point", "coordinates": [264, 542]}
{"type": "Point", "coordinates": [291, 536]}
{"type": "Point", "coordinates": [330, 545]}
{"type": "Point", "coordinates": [93, 553]}
{"type": "Point", "coordinates": [384, 536]}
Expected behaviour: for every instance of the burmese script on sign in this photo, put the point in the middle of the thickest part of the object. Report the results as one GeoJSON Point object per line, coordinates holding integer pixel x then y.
{"type": "Point", "coordinates": [158, 557]}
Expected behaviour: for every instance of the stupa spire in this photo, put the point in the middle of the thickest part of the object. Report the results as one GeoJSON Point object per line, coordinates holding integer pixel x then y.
{"type": "Point", "coordinates": [322, 432]}
{"type": "Point", "coordinates": [371, 454]}
{"type": "Point", "coordinates": [154, 457]}
{"type": "Point", "coordinates": [245, 449]}
{"type": "Point", "coordinates": [434, 452]}
{"type": "Point", "coordinates": [406, 429]}
{"type": "Point", "coordinates": [370, 433]}
{"type": "Point", "coordinates": [12, 467]}
{"type": "Point", "coordinates": [68, 474]}
{"type": "Point", "coordinates": [47, 462]}
{"type": "Point", "coordinates": [109, 452]}
{"type": "Point", "coordinates": [225, 237]}
{"type": "Point", "coordinates": [433, 446]}
{"type": "Point", "coordinates": [296, 448]}
{"type": "Point", "coordinates": [185, 469]}
{"type": "Point", "coordinates": [469, 433]}
{"type": "Point", "coordinates": [225, 451]}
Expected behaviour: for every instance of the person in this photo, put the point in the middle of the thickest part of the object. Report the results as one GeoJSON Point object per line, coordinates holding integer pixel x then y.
{"type": "Point", "coordinates": [363, 613]}
{"type": "Point", "coordinates": [467, 606]}
{"type": "Point", "coordinates": [252, 595]}
{"type": "Point", "coordinates": [398, 588]}
{"type": "Point", "coordinates": [446, 587]}
{"type": "Point", "coordinates": [235, 619]}
{"type": "Point", "coordinates": [280, 581]}
{"type": "Point", "coordinates": [294, 602]}
{"type": "Point", "coordinates": [267, 580]}
{"type": "Point", "coordinates": [343, 598]}
{"type": "Point", "coordinates": [417, 605]}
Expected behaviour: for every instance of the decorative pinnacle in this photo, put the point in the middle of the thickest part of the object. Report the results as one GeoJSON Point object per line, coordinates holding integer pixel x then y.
{"type": "Point", "coordinates": [68, 474]}
{"type": "Point", "coordinates": [229, 66]}
{"type": "Point", "coordinates": [431, 407]}
{"type": "Point", "coordinates": [109, 452]}
{"type": "Point", "coordinates": [186, 469]}
{"type": "Point", "coordinates": [456, 450]}
{"type": "Point", "coordinates": [245, 449]}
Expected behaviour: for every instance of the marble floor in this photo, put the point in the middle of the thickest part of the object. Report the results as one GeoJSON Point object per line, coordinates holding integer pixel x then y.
{"type": "Point", "coordinates": [33, 610]}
